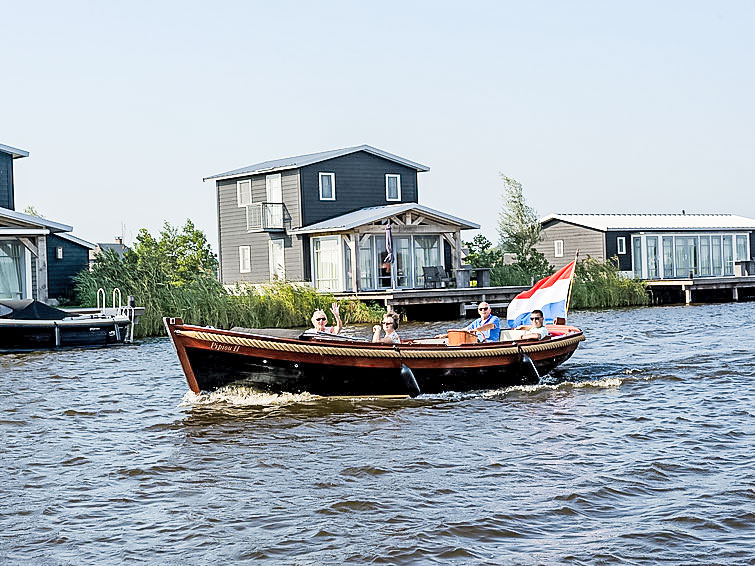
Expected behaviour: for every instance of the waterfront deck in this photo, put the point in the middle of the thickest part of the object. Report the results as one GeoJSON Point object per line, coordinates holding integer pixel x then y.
{"type": "Point", "coordinates": [456, 300]}
{"type": "Point", "coordinates": [702, 289]}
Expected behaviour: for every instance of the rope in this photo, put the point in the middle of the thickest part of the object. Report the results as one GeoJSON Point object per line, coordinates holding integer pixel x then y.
{"type": "Point", "coordinates": [394, 352]}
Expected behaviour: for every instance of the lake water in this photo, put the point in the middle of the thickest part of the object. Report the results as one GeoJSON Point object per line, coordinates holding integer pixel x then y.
{"type": "Point", "coordinates": [638, 451]}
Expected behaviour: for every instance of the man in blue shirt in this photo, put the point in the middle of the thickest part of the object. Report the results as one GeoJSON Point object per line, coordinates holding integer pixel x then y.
{"type": "Point", "coordinates": [487, 327]}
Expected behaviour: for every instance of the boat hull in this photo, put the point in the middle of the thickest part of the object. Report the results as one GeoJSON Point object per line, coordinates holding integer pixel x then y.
{"type": "Point", "coordinates": [23, 335]}
{"type": "Point", "coordinates": [214, 358]}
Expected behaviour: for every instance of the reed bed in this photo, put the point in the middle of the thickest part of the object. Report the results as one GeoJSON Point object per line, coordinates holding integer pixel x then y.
{"type": "Point", "coordinates": [601, 285]}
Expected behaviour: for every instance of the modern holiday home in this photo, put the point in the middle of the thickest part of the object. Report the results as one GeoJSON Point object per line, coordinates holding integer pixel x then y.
{"type": "Point", "coordinates": [322, 218]}
{"type": "Point", "coordinates": [38, 257]}
{"type": "Point", "coordinates": [654, 246]}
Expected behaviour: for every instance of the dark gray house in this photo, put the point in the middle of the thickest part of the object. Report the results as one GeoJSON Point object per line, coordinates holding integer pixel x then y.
{"type": "Point", "coordinates": [322, 217]}
{"type": "Point", "coordinates": [38, 257]}
{"type": "Point", "coordinates": [653, 246]}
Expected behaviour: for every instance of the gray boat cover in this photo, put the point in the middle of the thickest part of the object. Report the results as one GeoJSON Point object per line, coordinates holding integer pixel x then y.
{"type": "Point", "coordinates": [29, 309]}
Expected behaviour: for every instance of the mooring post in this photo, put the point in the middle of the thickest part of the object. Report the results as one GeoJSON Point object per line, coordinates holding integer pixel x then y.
{"type": "Point", "coordinates": [735, 293]}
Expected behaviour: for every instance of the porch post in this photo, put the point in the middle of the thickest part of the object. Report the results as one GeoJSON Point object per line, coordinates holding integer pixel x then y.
{"type": "Point", "coordinates": [457, 254]}
{"type": "Point", "coordinates": [42, 269]}
{"type": "Point", "coordinates": [354, 264]}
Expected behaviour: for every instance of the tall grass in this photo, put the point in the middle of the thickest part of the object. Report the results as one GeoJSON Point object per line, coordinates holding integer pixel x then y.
{"type": "Point", "coordinates": [600, 285]}
{"type": "Point", "coordinates": [204, 301]}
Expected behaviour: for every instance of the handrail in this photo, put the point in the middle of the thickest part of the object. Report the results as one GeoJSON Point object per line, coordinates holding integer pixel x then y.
{"type": "Point", "coordinates": [100, 306]}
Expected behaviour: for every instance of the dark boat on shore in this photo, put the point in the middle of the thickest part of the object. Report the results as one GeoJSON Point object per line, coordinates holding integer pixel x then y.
{"type": "Point", "coordinates": [27, 324]}
{"type": "Point", "coordinates": [278, 361]}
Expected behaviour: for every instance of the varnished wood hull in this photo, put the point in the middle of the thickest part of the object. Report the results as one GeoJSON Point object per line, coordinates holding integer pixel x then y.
{"type": "Point", "coordinates": [213, 358]}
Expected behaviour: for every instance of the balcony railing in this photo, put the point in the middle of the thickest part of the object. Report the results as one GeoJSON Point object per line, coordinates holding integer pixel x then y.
{"type": "Point", "coordinates": [264, 216]}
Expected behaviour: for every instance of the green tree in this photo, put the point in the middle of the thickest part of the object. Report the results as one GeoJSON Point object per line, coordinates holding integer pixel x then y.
{"type": "Point", "coordinates": [520, 231]}
{"type": "Point", "coordinates": [482, 253]}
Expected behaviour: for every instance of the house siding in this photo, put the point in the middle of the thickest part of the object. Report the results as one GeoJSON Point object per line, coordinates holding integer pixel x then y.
{"type": "Point", "coordinates": [233, 233]}
{"type": "Point", "coordinates": [360, 183]}
{"type": "Point", "coordinates": [60, 272]}
{"type": "Point", "coordinates": [588, 241]}
{"type": "Point", "coordinates": [6, 181]}
{"type": "Point", "coordinates": [625, 259]}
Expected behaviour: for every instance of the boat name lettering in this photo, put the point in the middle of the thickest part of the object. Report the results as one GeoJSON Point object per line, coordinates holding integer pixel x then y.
{"type": "Point", "coordinates": [224, 347]}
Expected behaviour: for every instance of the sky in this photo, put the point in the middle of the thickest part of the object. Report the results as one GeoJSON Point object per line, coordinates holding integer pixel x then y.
{"type": "Point", "coordinates": [603, 107]}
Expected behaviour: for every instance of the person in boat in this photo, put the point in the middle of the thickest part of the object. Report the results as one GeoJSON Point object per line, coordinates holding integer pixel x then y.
{"type": "Point", "coordinates": [390, 325]}
{"type": "Point", "coordinates": [487, 328]}
{"type": "Point", "coordinates": [537, 331]}
{"type": "Point", "coordinates": [320, 321]}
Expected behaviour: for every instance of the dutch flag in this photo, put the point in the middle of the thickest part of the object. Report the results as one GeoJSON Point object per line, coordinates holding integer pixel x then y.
{"type": "Point", "coordinates": [549, 295]}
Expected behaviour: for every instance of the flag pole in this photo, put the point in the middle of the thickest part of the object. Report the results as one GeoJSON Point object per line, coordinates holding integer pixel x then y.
{"type": "Point", "coordinates": [571, 284]}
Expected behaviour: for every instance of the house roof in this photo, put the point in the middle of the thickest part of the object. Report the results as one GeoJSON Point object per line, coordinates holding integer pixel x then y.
{"type": "Point", "coordinates": [308, 159]}
{"type": "Point", "coordinates": [15, 152]}
{"type": "Point", "coordinates": [371, 214]}
{"type": "Point", "coordinates": [605, 222]}
{"type": "Point", "coordinates": [119, 249]}
{"type": "Point", "coordinates": [12, 218]}
{"type": "Point", "coordinates": [75, 240]}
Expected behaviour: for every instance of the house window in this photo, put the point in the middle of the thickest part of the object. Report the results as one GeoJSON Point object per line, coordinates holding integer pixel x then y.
{"type": "Point", "coordinates": [327, 186]}
{"type": "Point", "coordinates": [558, 248]}
{"type": "Point", "coordinates": [273, 190]}
{"type": "Point", "coordinates": [12, 271]}
{"type": "Point", "coordinates": [326, 256]}
{"type": "Point", "coordinates": [621, 245]}
{"type": "Point", "coordinates": [245, 259]}
{"type": "Point", "coordinates": [244, 192]}
{"type": "Point", "coordinates": [59, 252]}
{"type": "Point", "coordinates": [651, 255]}
{"type": "Point", "coordinates": [393, 187]}
{"type": "Point", "coordinates": [742, 248]}
{"type": "Point", "coordinates": [277, 260]}
{"type": "Point", "coordinates": [637, 257]}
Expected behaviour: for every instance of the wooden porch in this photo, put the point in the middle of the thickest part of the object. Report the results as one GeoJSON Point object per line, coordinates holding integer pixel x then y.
{"type": "Point", "coordinates": [702, 289]}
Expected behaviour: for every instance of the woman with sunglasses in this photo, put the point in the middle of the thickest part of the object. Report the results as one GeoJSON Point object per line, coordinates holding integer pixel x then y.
{"type": "Point", "coordinates": [390, 325]}
{"type": "Point", "coordinates": [320, 321]}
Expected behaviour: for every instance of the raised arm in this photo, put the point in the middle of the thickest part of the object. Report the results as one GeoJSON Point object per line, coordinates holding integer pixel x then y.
{"type": "Point", "coordinates": [337, 315]}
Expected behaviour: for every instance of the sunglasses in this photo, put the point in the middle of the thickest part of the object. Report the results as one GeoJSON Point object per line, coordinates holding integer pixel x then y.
{"type": "Point", "coordinates": [387, 322]}
{"type": "Point", "coordinates": [483, 309]}
{"type": "Point", "coordinates": [319, 319]}
{"type": "Point", "coordinates": [536, 318]}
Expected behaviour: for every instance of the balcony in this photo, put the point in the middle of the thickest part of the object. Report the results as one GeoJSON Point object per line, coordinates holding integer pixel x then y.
{"type": "Point", "coordinates": [264, 216]}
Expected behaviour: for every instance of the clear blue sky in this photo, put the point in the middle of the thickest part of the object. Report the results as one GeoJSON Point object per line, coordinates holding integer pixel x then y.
{"type": "Point", "coordinates": [592, 106]}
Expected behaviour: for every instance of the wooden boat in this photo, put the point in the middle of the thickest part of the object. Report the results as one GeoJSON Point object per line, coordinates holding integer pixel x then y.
{"type": "Point", "coordinates": [336, 365]}
{"type": "Point", "coordinates": [31, 325]}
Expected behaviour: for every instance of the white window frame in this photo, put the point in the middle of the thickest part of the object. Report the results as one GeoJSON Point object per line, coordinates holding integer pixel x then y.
{"type": "Point", "coordinates": [270, 245]}
{"type": "Point", "coordinates": [621, 245]}
{"type": "Point", "coordinates": [398, 186]}
{"type": "Point", "coordinates": [240, 193]}
{"type": "Point", "coordinates": [339, 262]}
{"type": "Point", "coordinates": [558, 248]}
{"type": "Point", "coordinates": [332, 184]}
{"type": "Point", "coordinates": [245, 253]}
{"type": "Point", "coordinates": [270, 188]}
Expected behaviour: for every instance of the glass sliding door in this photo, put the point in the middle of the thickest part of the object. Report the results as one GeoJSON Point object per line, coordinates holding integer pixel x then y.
{"type": "Point", "coordinates": [705, 256]}
{"type": "Point", "coordinates": [12, 271]}
{"type": "Point", "coordinates": [402, 248]}
{"type": "Point", "coordinates": [426, 254]}
{"type": "Point", "coordinates": [715, 256]}
{"type": "Point", "coordinates": [383, 269]}
{"type": "Point", "coordinates": [728, 255]}
{"type": "Point", "coordinates": [347, 266]}
{"type": "Point", "coordinates": [637, 256]}
{"type": "Point", "coordinates": [326, 260]}
{"type": "Point", "coordinates": [742, 254]}
{"type": "Point", "coordinates": [651, 249]}
{"type": "Point", "coordinates": [668, 257]}
{"type": "Point", "coordinates": [686, 251]}
{"type": "Point", "coordinates": [366, 263]}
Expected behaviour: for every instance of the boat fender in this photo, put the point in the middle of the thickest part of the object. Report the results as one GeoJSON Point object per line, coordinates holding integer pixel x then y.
{"type": "Point", "coordinates": [527, 364]}
{"type": "Point", "coordinates": [407, 375]}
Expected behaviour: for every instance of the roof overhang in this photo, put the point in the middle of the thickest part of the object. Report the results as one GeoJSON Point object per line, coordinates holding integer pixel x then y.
{"type": "Point", "coordinates": [364, 216]}
{"type": "Point", "coordinates": [655, 222]}
{"type": "Point", "coordinates": [12, 219]}
{"type": "Point", "coordinates": [75, 240]}
{"type": "Point", "coordinates": [288, 163]}
{"type": "Point", "coordinates": [14, 151]}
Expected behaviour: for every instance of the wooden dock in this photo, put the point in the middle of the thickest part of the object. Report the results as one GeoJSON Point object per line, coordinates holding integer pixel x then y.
{"type": "Point", "coordinates": [456, 301]}
{"type": "Point", "coordinates": [702, 289]}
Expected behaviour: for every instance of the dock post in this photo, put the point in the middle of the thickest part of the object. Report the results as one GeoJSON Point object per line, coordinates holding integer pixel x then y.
{"type": "Point", "coordinates": [462, 311]}
{"type": "Point", "coordinates": [735, 294]}
{"type": "Point", "coordinates": [687, 295]}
